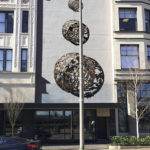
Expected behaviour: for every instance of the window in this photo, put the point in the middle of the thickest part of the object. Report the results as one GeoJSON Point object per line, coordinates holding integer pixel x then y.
{"type": "Point", "coordinates": [147, 20]}
{"type": "Point", "coordinates": [64, 124]}
{"type": "Point", "coordinates": [144, 90]}
{"type": "Point", "coordinates": [6, 22]}
{"type": "Point", "coordinates": [127, 19]}
{"type": "Point", "coordinates": [148, 53]}
{"type": "Point", "coordinates": [5, 60]}
{"type": "Point", "coordinates": [122, 111]}
{"type": "Point", "coordinates": [129, 56]}
{"type": "Point", "coordinates": [24, 60]}
{"type": "Point", "coordinates": [25, 15]}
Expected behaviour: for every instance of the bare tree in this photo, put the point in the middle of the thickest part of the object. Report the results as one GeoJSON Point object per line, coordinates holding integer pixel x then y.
{"type": "Point", "coordinates": [14, 103]}
{"type": "Point", "coordinates": [141, 104]}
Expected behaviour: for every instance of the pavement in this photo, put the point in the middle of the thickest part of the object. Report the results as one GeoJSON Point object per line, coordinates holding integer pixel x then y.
{"type": "Point", "coordinates": [87, 147]}
{"type": "Point", "coordinates": [76, 147]}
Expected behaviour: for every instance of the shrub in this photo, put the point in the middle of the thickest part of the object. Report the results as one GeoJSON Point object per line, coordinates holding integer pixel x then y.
{"type": "Point", "coordinates": [147, 140]}
{"type": "Point", "coordinates": [130, 141]}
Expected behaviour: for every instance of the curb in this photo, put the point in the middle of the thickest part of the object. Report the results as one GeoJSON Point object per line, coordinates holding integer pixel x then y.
{"type": "Point", "coordinates": [128, 147]}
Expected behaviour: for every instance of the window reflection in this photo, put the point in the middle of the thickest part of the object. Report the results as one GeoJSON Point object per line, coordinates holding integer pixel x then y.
{"type": "Point", "coordinates": [127, 19]}
{"type": "Point", "coordinates": [122, 111]}
{"type": "Point", "coordinates": [64, 124]}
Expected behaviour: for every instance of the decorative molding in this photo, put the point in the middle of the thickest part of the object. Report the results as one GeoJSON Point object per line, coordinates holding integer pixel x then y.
{"type": "Point", "coordinates": [16, 34]}
{"type": "Point", "coordinates": [31, 33]}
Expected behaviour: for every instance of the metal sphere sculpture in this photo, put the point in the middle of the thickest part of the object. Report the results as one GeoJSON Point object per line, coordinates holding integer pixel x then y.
{"type": "Point", "coordinates": [74, 5]}
{"type": "Point", "coordinates": [66, 74]}
{"type": "Point", "coordinates": [70, 32]}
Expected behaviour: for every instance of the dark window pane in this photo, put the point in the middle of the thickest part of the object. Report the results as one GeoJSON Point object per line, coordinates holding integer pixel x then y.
{"type": "Point", "coordinates": [6, 22]}
{"type": "Point", "coordinates": [147, 20]}
{"type": "Point", "coordinates": [128, 24]}
{"type": "Point", "coordinates": [25, 15]}
{"type": "Point", "coordinates": [122, 100]}
{"type": "Point", "coordinates": [148, 53]}
{"type": "Point", "coordinates": [9, 28]}
{"type": "Point", "coordinates": [10, 21]}
{"type": "Point", "coordinates": [144, 91]}
{"type": "Point", "coordinates": [24, 66]}
{"type": "Point", "coordinates": [67, 125]}
{"type": "Point", "coordinates": [128, 21]}
{"type": "Point", "coordinates": [24, 60]}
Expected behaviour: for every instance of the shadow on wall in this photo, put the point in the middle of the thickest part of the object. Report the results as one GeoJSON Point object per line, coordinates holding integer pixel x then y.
{"type": "Point", "coordinates": [132, 125]}
{"type": "Point", "coordinates": [40, 86]}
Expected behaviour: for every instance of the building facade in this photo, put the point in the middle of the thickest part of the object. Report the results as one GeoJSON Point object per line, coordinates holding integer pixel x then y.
{"type": "Point", "coordinates": [17, 49]}
{"type": "Point", "coordinates": [39, 55]}
{"type": "Point", "coordinates": [131, 50]}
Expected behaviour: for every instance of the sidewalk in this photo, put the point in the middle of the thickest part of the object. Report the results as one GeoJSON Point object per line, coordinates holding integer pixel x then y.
{"type": "Point", "coordinates": [87, 147]}
{"type": "Point", "coordinates": [76, 147]}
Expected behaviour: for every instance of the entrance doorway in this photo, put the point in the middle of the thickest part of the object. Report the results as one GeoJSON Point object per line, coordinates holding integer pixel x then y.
{"type": "Point", "coordinates": [101, 128]}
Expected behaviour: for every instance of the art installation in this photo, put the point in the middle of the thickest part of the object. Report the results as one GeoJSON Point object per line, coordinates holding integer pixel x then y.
{"type": "Point", "coordinates": [70, 32]}
{"type": "Point", "coordinates": [66, 74]}
{"type": "Point", "coordinates": [74, 5]}
{"type": "Point", "coordinates": [25, 1]}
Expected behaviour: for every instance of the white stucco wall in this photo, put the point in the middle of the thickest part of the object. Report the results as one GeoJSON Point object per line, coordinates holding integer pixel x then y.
{"type": "Point", "coordinates": [97, 16]}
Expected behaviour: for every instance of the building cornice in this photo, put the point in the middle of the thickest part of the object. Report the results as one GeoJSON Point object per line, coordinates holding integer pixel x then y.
{"type": "Point", "coordinates": [135, 2]}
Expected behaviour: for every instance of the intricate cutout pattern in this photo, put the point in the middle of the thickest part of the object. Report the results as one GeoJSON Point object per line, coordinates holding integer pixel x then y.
{"type": "Point", "coordinates": [74, 5]}
{"type": "Point", "coordinates": [66, 74]}
{"type": "Point", "coordinates": [70, 32]}
{"type": "Point", "coordinates": [25, 1]}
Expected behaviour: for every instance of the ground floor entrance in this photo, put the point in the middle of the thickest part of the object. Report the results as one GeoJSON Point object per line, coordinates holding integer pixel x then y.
{"type": "Point", "coordinates": [101, 128]}
{"type": "Point", "coordinates": [52, 125]}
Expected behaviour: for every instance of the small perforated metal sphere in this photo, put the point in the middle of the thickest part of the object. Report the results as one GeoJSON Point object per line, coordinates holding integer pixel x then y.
{"type": "Point", "coordinates": [66, 74]}
{"type": "Point", "coordinates": [70, 32]}
{"type": "Point", "coordinates": [25, 1]}
{"type": "Point", "coordinates": [74, 5]}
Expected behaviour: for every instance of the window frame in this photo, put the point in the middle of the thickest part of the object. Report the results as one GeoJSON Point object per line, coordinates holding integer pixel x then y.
{"type": "Point", "coordinates": [123, 109]}
{"type": "Point", "coordinates": [24, 61]}
{"type": "Point", "coordinates": [25, 22]}
{"type": "Point", "coordinates": [146, 10]}
{"type": "Point", "coordinates": [144, 90]}
{"type": "Point", "coordinates": [127, 19]}
{"type": "Point", "coordinates": [4, 61]}
{"type": "Point", "coordinates": [121, 45]}
{"type": "Point", "coordinates": [148, 53]}
{"type": "Point", "coordinates": [6, 22]}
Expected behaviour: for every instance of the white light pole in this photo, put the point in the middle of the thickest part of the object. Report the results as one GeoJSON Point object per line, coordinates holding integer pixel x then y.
{"type": "Point", "coordinates": [81, 100]}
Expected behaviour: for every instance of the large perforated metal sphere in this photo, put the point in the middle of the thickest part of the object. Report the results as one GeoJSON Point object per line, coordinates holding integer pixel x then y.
{"type": "Point", "coordinates": [70, 32]}
{"type": "Point", "coordinates": [66, 74]}
{"type": "Point", "coordinates": [74, 5]}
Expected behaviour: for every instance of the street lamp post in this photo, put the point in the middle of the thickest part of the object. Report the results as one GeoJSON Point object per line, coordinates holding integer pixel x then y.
{"type": "Point", "coordinates": [81, 100]}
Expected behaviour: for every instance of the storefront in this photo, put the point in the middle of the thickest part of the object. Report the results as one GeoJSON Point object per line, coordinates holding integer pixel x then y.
{"type": "Point", "coordinates": [62, 124]}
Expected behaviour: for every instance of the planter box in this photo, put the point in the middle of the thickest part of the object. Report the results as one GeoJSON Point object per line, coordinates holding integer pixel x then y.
{"type": "Point", "coordinates": [128, 147]}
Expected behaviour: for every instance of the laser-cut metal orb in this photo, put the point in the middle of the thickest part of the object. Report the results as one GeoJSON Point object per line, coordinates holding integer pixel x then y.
{"type": "Point", "coordinates": [74, 5]}
{"type": "Point", "coordinates": [70, 32]}
{"type": "Point", "coordinates": [66, 74]}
